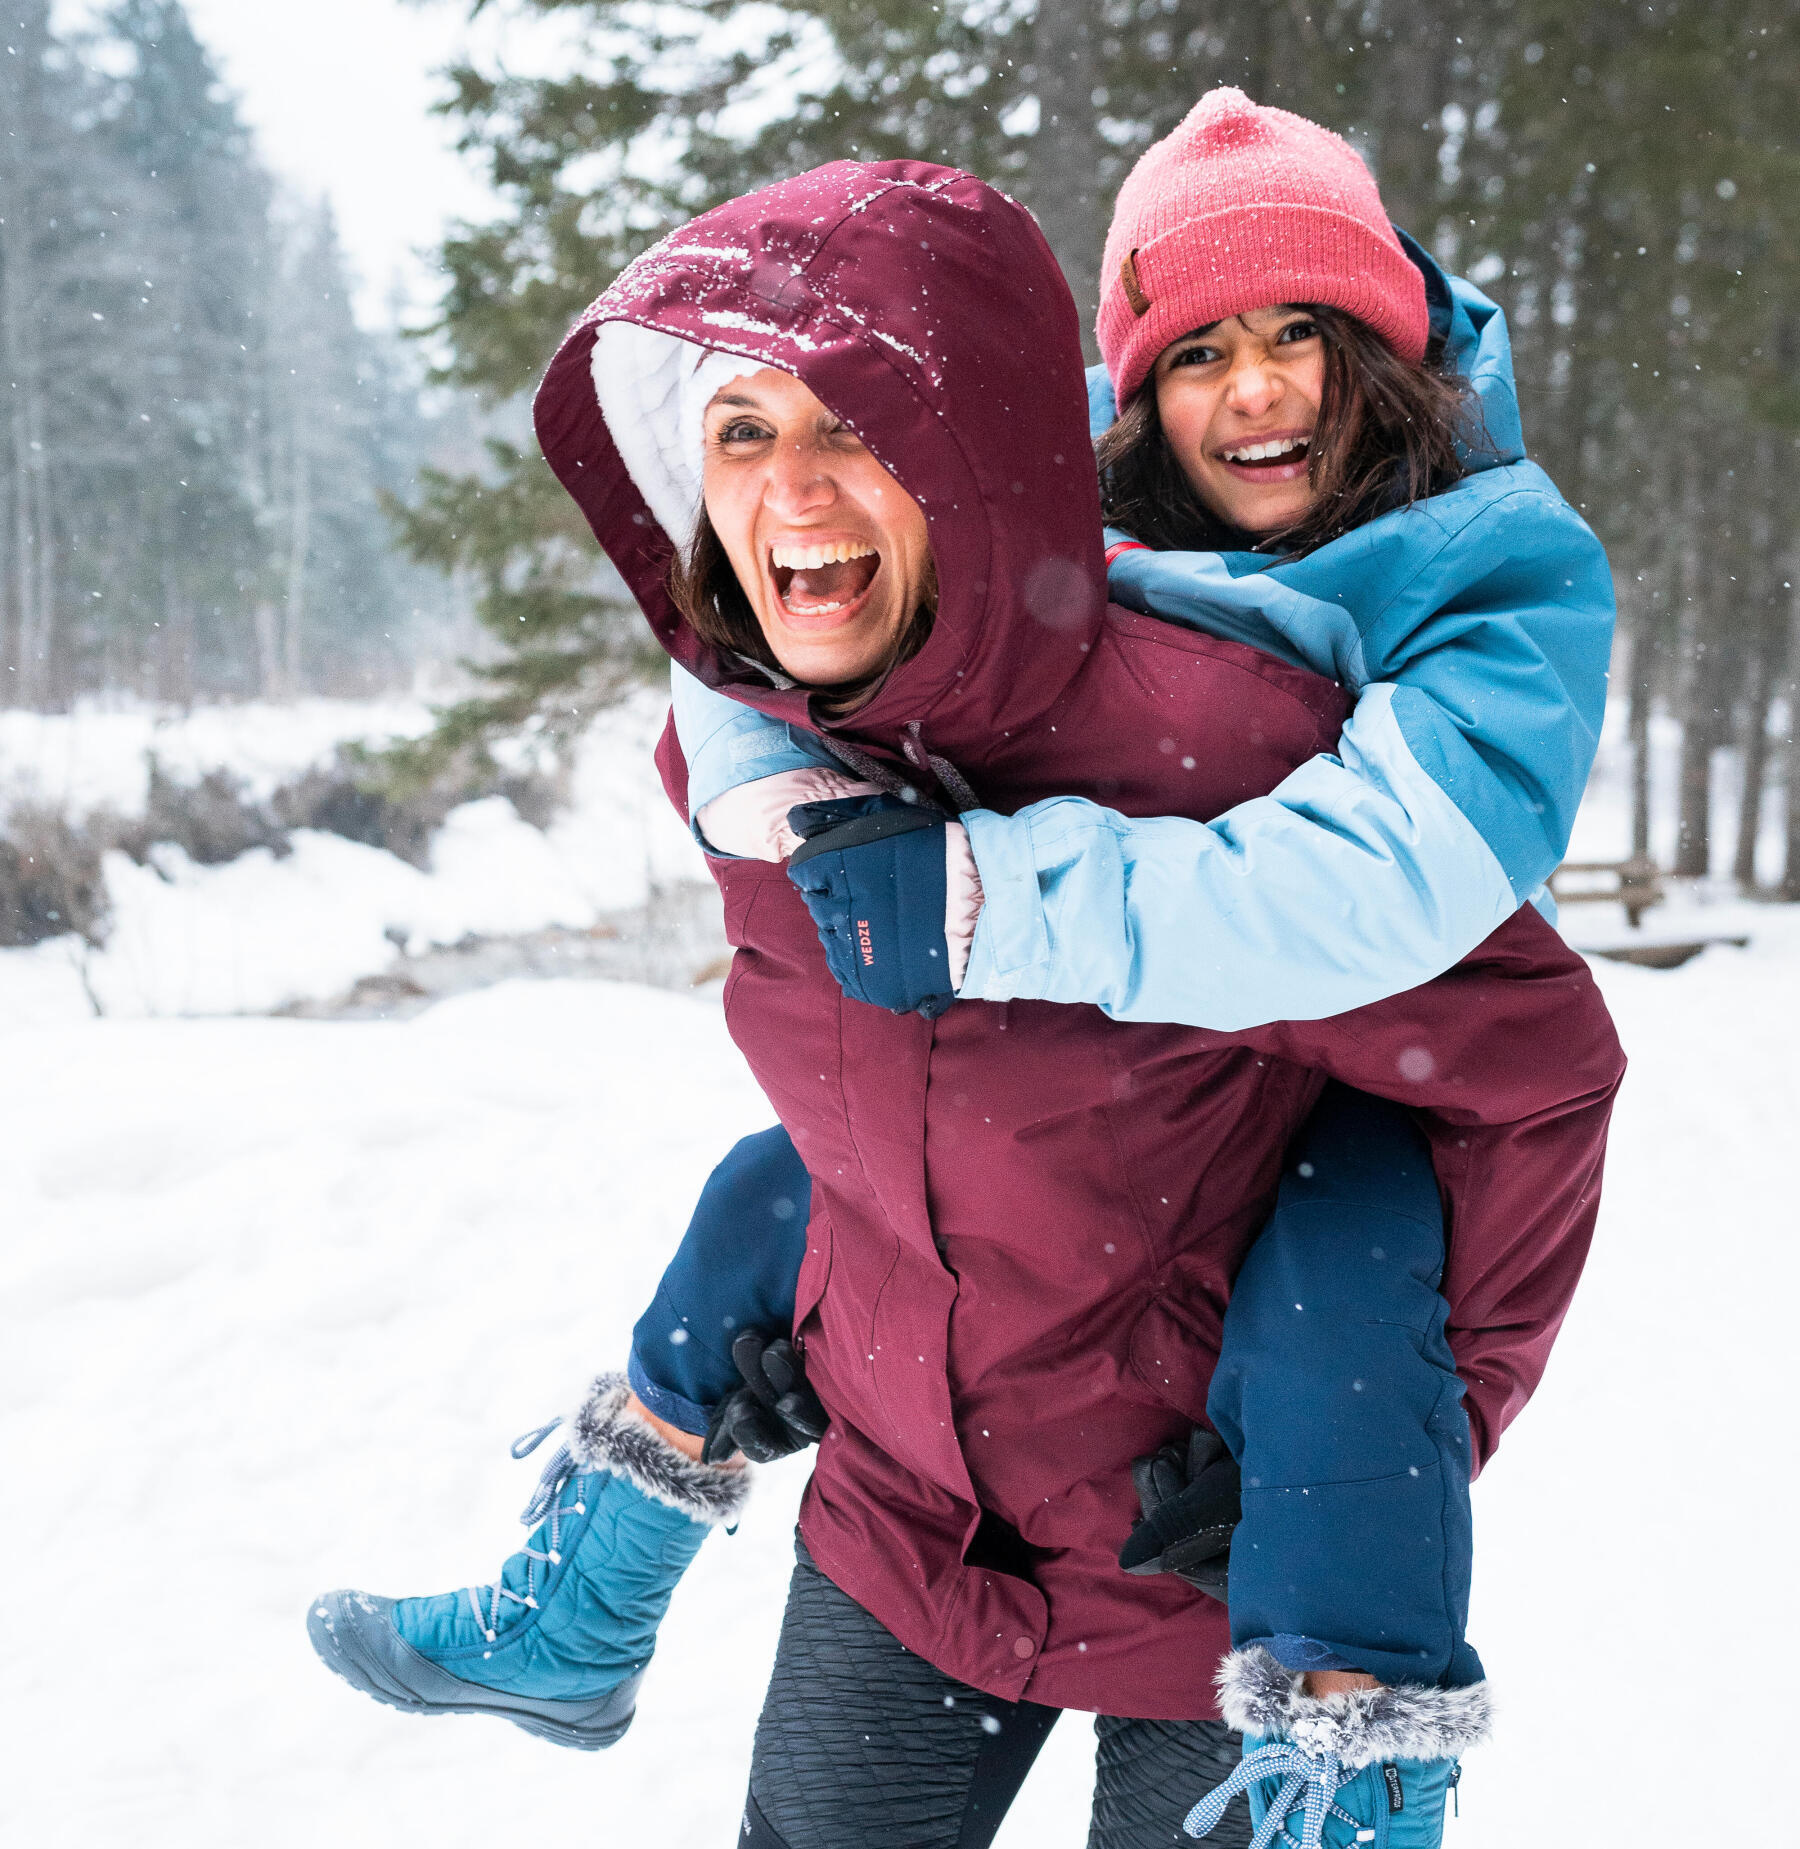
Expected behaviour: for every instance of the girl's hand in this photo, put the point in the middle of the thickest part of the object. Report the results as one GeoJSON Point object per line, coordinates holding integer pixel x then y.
{"type": "Point", "coordinates": [877, 876]}
{"type": "Point", "coordinates": [1189, 1495]}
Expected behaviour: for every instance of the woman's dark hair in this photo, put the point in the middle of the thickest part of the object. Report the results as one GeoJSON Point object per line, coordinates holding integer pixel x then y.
{"type": "Point", "coordinates": [1387, 435]}
{"type": "Point", "coordinates": [705, 589]}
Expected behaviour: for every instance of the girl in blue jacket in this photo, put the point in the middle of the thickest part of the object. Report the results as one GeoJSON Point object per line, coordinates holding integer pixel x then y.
{"type": "Point", "coordinates": [1319, 456]}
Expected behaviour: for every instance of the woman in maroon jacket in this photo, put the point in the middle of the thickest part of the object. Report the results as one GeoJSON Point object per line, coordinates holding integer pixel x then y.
{"type": "Point", "coordinates": [1026, 1217]}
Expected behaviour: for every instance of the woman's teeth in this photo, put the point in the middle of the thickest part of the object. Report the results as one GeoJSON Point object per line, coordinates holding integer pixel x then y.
{"type": "Point", "coordinates": [818, 581]}
{"type": "Point", "coordinates": [810, 558]}
{"type": "Point", "coordinates": [1264, 452]}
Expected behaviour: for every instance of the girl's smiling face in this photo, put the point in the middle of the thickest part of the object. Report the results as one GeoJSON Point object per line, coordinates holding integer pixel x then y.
{"type": "Point", "coordinates": [830, 550]}
{"type": "Point", "coordinates": [1238, 402]}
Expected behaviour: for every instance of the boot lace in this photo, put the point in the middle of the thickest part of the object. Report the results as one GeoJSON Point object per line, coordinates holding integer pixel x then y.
{"type": "Point", "coordinates": [545, 1501]}
{"type": "Point", "coordinates": [1311, 1784]}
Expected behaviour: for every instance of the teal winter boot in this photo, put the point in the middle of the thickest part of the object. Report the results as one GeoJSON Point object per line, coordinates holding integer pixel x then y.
{"type": "Point", "coordinates": [559, 1642]}
{"type": "Point", "coordinates": [1370, 1768]}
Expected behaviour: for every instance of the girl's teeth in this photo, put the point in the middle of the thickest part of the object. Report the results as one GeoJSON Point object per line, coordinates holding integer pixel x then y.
{"type": "Point", "coordinates": [1261, 452]}
{"type": "Point", "coordinates": [810, 558]}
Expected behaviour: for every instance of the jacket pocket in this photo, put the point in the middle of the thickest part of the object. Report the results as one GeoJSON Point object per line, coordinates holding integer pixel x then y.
{"type": "Point", "coordinates": [815, 1272]}
{"type": "Point", "coordinates": [740, 891]}
{"type": "Point", "coordinates": [1174, 1356]}
{"type": "Point", "coordinates": [740, 884]}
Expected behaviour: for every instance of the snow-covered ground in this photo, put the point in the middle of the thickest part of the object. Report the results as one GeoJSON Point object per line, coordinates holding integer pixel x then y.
{"type": "Point", "coordinates": [275, 1295]}
{"type": "Point", "coordinates": [96, 757]}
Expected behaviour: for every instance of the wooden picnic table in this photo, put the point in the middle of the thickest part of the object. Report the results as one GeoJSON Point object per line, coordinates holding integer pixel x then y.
{"type": "Point", "coordinates": [1635, 884]}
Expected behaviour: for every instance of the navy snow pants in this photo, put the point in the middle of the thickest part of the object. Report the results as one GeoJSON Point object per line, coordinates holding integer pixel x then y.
{"type": "Point", "coordinates": [736, 1268]}
{"type": "Point", "coordinates": [1335, 1391]}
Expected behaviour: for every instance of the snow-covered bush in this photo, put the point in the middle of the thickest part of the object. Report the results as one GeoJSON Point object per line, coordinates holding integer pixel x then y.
{"type": "Point", "coordinates": [51, 881]}
{"type": "Point", "coordinates": [212, 820]}
{"type": "Point", "coordinates": [356, 795]}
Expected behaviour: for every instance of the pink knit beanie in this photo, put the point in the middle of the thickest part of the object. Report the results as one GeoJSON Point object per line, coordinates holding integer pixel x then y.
{"type": "Point", "coordinates": [1244, 207]}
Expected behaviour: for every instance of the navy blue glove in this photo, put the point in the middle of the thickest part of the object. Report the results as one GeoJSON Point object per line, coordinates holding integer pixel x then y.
{"type": "Point", "coordinates": [871, 870]}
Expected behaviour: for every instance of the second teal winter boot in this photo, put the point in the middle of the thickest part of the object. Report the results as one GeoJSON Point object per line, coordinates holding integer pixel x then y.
{"type": "Point", "coordinates": [559, 1642]}
{"type": "Point", "coordinates": [1371, 1768]}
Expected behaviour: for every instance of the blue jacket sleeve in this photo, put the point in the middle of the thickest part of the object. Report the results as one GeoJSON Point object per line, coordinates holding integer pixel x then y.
{"type": "Point", "coordinates": [726, 743]}
{"type": "Point", "coordinates": [1476, 634]}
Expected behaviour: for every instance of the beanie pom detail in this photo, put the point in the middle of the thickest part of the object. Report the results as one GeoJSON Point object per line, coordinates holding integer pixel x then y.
{"type": "Point", "coordinates": [1226, 118]}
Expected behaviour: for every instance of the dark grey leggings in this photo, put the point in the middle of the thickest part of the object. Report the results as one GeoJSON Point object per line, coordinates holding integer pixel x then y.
{"type": "Point", "coordinates": [860, 1741]}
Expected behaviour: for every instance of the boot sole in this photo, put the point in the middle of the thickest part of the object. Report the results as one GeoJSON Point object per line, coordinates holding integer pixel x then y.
{"type": "Point", "coordinates": [353, 1637]}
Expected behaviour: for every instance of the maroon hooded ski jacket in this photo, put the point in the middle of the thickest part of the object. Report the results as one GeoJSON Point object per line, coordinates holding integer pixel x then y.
{"type": "Point", "coordinates": [1027, 1217]}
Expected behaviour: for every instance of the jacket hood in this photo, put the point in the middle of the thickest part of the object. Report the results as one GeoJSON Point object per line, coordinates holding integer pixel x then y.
{"type": "Point", "coordinates": [1477, 345]}
{"type": "Point", "coordinates": [924, 309]}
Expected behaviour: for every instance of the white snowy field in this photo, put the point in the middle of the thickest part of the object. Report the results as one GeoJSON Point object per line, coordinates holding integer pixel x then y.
{"type": "Point", "coordinates": [277, 1294]}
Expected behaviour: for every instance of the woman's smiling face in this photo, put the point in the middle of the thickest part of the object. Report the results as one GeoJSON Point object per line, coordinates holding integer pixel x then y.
{"type": "Point", "coordinates": [1238, 403]}
{"type": "Point", "coordinates": [831, 551]}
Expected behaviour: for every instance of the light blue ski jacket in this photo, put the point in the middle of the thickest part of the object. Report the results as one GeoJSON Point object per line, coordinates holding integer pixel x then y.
{"type": "Point", "coordinates": [1474, 630]}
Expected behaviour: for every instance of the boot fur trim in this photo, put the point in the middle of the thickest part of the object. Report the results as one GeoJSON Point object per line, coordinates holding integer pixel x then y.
{"type": "Point", "coordinates": [604, 1434]}
{"type": "Point", "coordinates": [1362, 1726]}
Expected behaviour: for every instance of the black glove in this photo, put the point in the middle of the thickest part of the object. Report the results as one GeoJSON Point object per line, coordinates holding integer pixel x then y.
{"type": "Point", "coordinates": [1190, 1501]}
{"type": "Point", "coordinates": [871, 870]}
{"type": "Point", "coordinates": [774, 1413]}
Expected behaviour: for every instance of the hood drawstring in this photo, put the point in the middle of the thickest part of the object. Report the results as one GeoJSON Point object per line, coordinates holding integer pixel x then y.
{"type": "Point", "coordinates": [954, 784]}
{"type": "Point", "coordinates": [951, 780]}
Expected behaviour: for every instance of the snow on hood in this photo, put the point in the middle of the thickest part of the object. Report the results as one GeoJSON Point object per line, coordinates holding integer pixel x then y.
{"type": "Point", "coordinates": [925, 309]}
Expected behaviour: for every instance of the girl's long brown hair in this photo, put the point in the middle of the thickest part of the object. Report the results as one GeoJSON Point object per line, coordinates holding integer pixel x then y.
{"type": "Point", "coordinates": [1388, 433]}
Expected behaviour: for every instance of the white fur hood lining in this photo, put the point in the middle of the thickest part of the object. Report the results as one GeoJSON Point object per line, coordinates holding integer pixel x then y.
{"type": "Point", "coordinates": [653, 390]}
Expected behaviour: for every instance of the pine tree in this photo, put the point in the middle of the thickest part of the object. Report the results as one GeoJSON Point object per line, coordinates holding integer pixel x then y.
{"type": "Point", "coordinates": [333, 399]}
{"type": "Point", "coordinates": [206, 252]}
{"type": "Point", "coordinates": [64, 282]}
{"type": "Point", "coordinates": [196, 437]}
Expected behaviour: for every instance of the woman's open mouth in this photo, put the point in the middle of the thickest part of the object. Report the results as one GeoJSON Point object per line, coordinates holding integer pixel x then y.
{"type": "Point", "coordinates": [1280, 458]}
{"type": "Point", "coordinates": [819, 587]}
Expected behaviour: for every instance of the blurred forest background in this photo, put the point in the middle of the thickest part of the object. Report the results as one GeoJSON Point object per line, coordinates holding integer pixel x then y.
{"type": "Point", "coordinates": [212, 482]}
{"type": "Point", "coordinates": [197, 435]}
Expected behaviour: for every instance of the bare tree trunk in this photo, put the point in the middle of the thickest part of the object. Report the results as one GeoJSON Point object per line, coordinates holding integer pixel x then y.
{"type": "Point", "coordinates": [25, 574]}
{"type": "Point", "coordinates": [1693, 829]}
{"type": "Point", "coordinates": [1790, 871]}
{"type": "Point", "coordinates": [18, 575]}
{"type": "Point", "coordinates": [43, 560]}
{"type": "Point", "coordinates": [1700, 726]}
{"type": "Point", "coordinates": [1066, 191]}
{"type": "Point", "coordinates": [299, 549]}
{"type": "Point", "coordinates": [1642, 646]}
{"type": "Point", "coordinates": [1768, 653]}
{"type": "Point", "coordinates": [10, 615]}
{"type": "Point", "coordinates": [266, 624]}
{"type": "Point", "coordinates": [30, 520]}
{"type": "Point", "coordinates": [175, 681]}
{"type": "Point", "coordinates": [1756, 771]}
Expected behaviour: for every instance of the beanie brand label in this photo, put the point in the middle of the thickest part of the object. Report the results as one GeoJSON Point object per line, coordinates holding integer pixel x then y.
{"type": "Point", "coordinates": [1134, 291]}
